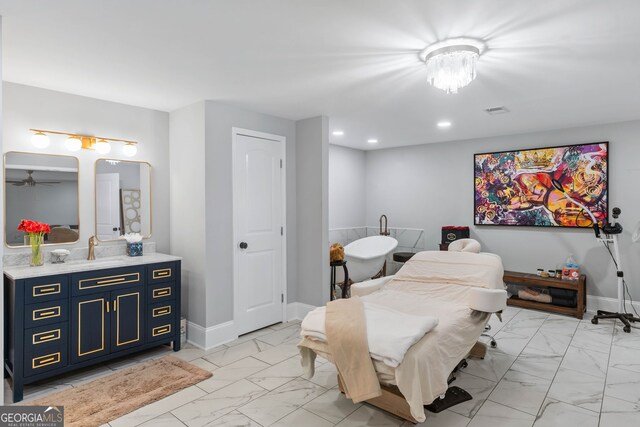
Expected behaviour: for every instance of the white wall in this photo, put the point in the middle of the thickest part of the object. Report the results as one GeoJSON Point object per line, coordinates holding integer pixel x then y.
{"type": "Point", "coordinates": [431, 185]}
{"type": "Point", "coordinates": [347, 189]}
{"type": "Point", "coordinates": [312, 157]}
{"type": "Point", "coordinates": [30, 107]}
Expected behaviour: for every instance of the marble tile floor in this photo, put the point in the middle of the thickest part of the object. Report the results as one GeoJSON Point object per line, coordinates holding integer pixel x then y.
{"type": "Point", "coordinates": [548, 370]}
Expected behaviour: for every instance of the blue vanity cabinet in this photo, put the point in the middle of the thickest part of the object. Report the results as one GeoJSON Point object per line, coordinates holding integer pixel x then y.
{"type": "Point", "coordinates": [92, 331]}
{"type": "Point", "coordinates": [127, 319]}
{"type": "Point", "coordinates": [58, 323]}
{"type": "Point", "coordinates": [109, 309]}
{"type": "Point", "coordinates": [163, 319]}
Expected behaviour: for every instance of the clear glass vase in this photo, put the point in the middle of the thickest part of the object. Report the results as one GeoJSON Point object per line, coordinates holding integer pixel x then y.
{"type": "Point", "coordinates": [37, 255]}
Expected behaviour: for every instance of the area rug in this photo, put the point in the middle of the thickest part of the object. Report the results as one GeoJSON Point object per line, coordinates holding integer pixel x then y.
{"type": "Point", "coordinates": [105, 399]}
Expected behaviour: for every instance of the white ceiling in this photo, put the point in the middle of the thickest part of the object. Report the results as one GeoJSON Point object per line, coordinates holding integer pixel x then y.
{"type": "Point", "coordinates": [553, 63]}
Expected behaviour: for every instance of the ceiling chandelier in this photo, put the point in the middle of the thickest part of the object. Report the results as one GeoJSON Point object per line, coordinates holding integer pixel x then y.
{"type": "Point", "coordinates": [451, 64]}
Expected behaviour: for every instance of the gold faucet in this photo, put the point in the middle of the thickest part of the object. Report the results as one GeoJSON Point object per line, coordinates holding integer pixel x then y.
{"type": "Point", "coordinates": [383, 232]}
{"type": "Point", "coordinates": [92, 252]}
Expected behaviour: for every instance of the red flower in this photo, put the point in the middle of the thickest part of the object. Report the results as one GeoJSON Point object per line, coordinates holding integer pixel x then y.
{"type": "Point", "coordinates": [29, 226]}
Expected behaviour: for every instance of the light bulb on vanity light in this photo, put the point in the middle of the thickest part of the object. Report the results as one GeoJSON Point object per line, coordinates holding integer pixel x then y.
{"type": "Point", "coordinates": [40, 140]}
{"type": "Point", "coordinates": [103, 147]}
{"type": "Point", "coordinates": [129, 150]}
{"type": "Point", "coordinates": [73, 143]}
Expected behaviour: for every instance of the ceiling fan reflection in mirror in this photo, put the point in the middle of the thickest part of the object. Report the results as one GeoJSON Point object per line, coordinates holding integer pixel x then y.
{"type": "Point", "coordinates": [30, 181]}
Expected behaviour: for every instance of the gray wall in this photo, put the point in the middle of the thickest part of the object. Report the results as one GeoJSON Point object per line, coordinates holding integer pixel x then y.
{"type": "Point", "coordinates": [347, 189]}
{"type": "Point", "coordinates": [312, 159]}
{"type": "Point", "coordinates": [30, 107]}
{"type": "Point", "coordinates": [431, 185]}
{"type": "Point", "coordinates": [201, 181]}
{"type": "Point", "coordinates": [219, 121]}
{"type": "Point", "coordinates": [187, 170]}
{"type": "Point", "coordinates": [1, 212]}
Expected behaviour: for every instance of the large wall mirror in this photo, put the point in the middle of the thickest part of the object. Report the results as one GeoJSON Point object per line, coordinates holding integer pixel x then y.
{"type": "Point", "coordinates": [123, 198]}
{"type": "Point", "coordinates": [43, 188]}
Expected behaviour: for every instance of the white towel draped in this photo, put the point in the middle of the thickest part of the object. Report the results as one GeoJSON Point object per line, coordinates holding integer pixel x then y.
{"type": "Point", "coordinates": [390, 333]}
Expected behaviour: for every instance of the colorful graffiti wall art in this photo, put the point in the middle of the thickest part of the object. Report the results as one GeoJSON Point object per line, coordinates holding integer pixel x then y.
{"type": "Point", "coordinates": [515, 187]}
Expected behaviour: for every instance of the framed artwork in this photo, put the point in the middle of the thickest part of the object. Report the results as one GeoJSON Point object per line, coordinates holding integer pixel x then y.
{"type": "Point", "coordinates": [516, 187]}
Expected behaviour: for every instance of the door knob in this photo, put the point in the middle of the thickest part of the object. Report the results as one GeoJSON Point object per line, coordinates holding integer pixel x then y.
{"type": "Point", "coordinates": [243, 245]}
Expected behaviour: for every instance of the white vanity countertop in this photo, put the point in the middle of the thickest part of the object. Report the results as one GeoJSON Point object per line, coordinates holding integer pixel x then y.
{"type": "Point", "coordinates": [26, 272]}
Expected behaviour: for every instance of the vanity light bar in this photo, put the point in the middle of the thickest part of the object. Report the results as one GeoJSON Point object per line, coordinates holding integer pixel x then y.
{"type": "Point", "coordinates": [75, 142]}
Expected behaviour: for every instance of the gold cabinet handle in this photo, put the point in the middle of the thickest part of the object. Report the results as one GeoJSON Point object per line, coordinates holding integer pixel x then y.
{"type": "Point", "coordinates": [108, 306]}
{"type": "Point", "coordinates": [157, 293]}
{"type": "Point", "coordinates": [116, 280]}
{"type": "Point", "coordinates": [47, 313]}
{"type": "Point", "coordinates": [115, 305]}
{"type": "Point", "coordinates": [43, 290]}
{"type": "Point", "coordinates": [46, 336]}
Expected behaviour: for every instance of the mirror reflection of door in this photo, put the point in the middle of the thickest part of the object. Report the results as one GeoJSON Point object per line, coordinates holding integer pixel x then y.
{"type": "Point", "coordinates": [108, 206]}
{"type": "Point", "coordinates": [43, 188]}
{"type": "Point", "coordinates": [123, 198]}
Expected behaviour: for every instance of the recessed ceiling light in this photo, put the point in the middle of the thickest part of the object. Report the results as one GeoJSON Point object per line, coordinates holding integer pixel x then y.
{"type": "Point", "coordinates": [444, 124]}
{"type": "Point", "coordinates": [372, 141]}
{"type": "Point", "coordinates": [338, 132]}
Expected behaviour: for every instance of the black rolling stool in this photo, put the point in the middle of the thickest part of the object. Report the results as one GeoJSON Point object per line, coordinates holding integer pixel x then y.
{"type": "Point", "coordinates": [345, 286]}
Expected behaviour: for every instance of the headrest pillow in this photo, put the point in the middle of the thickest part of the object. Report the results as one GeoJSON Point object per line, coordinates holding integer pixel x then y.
{"type": "Point", "coordinates": [465, 245]}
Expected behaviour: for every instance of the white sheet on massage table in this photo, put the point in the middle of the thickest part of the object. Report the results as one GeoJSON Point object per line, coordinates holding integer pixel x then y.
{"type": "Point", "coordinates": [423, 374]}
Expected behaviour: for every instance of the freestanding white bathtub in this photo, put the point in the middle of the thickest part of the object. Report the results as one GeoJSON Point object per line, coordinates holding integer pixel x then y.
{"type": "Point", "coordinates": [365, 257]}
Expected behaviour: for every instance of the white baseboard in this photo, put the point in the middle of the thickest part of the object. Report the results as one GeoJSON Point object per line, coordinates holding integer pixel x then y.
{"type": "Point", "coordinates": [196, 334]}
{"type": "Point", "coordinates": [208, 338]}
{"type": "Point", "coordinates": [595, 303]}
{"type": "Point", "coordinates": [298, 310]}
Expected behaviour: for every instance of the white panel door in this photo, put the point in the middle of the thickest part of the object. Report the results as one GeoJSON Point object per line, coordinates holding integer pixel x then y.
{"type": "Point", "coordinates": [107, 206]}
{"type": "Point", "coordinates": [258, 221]}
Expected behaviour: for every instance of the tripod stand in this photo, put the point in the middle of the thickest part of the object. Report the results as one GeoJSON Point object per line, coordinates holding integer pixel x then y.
{"type": "Point", "coordinates": [611, 238]}
{"type": "Point", "coordinates": [611, 232]}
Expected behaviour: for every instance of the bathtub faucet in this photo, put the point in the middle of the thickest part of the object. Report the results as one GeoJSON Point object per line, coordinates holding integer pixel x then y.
{"type": "Point", "coordinates": [383, 231]}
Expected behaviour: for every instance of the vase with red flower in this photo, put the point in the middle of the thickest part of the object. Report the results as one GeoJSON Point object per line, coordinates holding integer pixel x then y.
{"type": "Point", "coordinates": [36, 231]}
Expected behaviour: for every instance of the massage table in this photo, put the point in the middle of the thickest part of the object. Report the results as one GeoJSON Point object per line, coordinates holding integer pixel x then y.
{"type": "Point", "coordinates": [459, 288]}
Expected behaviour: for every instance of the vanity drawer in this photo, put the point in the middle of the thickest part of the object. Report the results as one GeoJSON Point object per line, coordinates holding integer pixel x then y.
{"type": "Point", "coordinates": [51, 337]}
{"type": "Point", "coordinates": [160, 332]}
{"type": "Point", "coordinates": [46, 313]}
{"type": "Point", "coordinates": [48, 288]}
{"type": "Point", "coordinates": [106, 280]}
{"type": "Point", "coordinates": [158, 273]}
{"type": "Point", "coordinates": [161, 320]}
{"type": "Point", "coordinates": [45, 359]}
{"type": "Point", "coordinates": [162, 311]}
{"type": "Point", "coordinates": [160, 292]}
